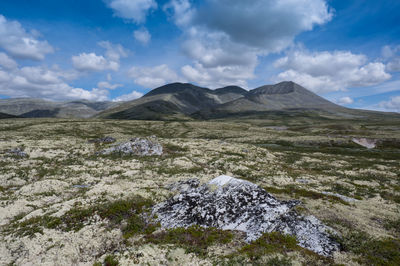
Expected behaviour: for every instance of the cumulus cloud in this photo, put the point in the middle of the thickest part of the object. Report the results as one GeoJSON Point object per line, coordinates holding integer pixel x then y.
{"type": "Point", "coordinates": [94, 62]}
{"type": "Point", "coordinates": [228, 35]}
{"type": "Point", "coordinates": [135, 10]}
{"type": "Point", "coordinates": [22, 44]}
{"type": "Point", "coordinates": [7, 62]}
{"type": "Point", "coordinates": [108, 85]}
{"type": "Point", "coordinates": [151, 77]}
{"type": "Point", "coordinates": [392, 105]}
{"type": "Point", "coordinates": [142, 35]}
{"type": "Point", "coordinates": [392, 55]}
{"type": "Point", "coordinates": [45, 83]}
{"type": "Point", "coordinates": [345, 100]}
{"type": "Point", "coordinates": [128, 97]}
{"type": "Point", "coordinates": [330, 71]}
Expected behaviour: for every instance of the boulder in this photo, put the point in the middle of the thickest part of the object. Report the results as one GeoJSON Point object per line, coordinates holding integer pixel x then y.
{"type": "Point", "coordinates": [228, 203]}
{"type": "Point", "coordinates": [136, 146]}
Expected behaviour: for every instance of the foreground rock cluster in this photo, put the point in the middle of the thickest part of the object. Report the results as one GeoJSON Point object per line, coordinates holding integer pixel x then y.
{"type": "Point", "coordinates": [136, 146]}
{"type": "Point", "coordinates": [234, 204]}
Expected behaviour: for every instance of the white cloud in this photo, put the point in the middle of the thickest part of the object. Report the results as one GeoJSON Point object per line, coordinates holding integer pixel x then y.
{"type": "Point", "coordinates": [107, 85]}
{"type": "Point", "coordinates": [22, 44]}
{"type": "Point", "coordinates": [330, 71]}
{"type": "Point", "coordinates": [94, 62]}
{"type": "Point", "coordinates": [135, 10]}
{"type": "Point", "coordinates": [114, 52]}
{"type": "Point", "coordinates": [392, 105]}
{"type": "Point", "coordinates": [7, 62]}
{"type": "Point", "coordinates": [152, 77]}
{"type": "Point", "coordinates": [142, 35]}
{"type": "Point", "coordinates": [345, 100]}
{"type": "Point", "coordinates": [391, 54]}
{"type": "Point", "coordinates": [44, 83]}
{"type": "Point", "coordinates": [226, 36]}
{"type": "Point", "coordinates": [128, 97]}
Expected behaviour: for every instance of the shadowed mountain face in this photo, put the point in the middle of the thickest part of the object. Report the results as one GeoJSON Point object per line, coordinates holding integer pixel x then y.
{"type": "Point", "coordinates": [183, 100]}
{"type": "Point", "coordinates": [30, 108]}
{"type": "Point", "coordinates": [174, 101]}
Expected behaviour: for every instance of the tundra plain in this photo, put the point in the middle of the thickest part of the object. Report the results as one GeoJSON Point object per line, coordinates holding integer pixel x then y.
{"type": "Point", "coordinates": [64, 205]}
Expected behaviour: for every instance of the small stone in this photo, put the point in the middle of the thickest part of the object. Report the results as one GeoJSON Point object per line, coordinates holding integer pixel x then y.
{"type": "Point", "coordinates": [136, 146]}
{"type": "Point", "coordinates": [16, 152]}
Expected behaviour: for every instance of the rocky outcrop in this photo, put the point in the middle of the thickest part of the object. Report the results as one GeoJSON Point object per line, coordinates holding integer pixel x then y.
{"type": "Point", "coordinates": [234, 204]}
{"type": "Point", "coordinates": [136, 146]}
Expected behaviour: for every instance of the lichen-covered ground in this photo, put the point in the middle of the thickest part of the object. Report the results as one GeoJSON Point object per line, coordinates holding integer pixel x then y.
{"type": "Point", "coordinates": [63, 205]}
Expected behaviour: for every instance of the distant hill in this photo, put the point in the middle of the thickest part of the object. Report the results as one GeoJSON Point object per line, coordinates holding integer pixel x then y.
{"type": "Point", "coordinates": [5, 116]}
{"type": "Point", "coordinates": [174, 101]}
{"type": "Point", "coordinates": [187, 101]}
{"type": "Point", "coordinates": [30, 108]}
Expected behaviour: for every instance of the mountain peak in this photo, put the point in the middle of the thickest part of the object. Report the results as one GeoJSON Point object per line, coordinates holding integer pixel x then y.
{"type": "Point", "coordinates": [175, 88]}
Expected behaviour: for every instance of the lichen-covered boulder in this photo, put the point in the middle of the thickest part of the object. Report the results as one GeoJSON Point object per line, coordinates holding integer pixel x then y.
{"type": "Point", "coordinates": [234, 204]}
{"type": "Point", "coordinates": [136, 146]}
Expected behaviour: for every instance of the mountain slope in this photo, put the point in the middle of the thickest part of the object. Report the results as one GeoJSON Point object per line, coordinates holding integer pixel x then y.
{"type": "Point", "coordinates": [184, 100]}
{"type": "Point", "coordinates": [173, 101]}
{"type": "Point", "coordinates": [30, 108]}
{"type": "Point", "coordinates": [282, 96]}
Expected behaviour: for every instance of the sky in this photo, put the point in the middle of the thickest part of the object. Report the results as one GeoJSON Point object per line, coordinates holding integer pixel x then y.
{"type": "Point", "coordinates": [347, 51]}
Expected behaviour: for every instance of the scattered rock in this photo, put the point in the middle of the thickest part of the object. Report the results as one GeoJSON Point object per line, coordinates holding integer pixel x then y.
{"type": "Point", "coordinates": [367, 143]}
{"type": "Point", "coordinates": [136, 146]}
{"type": "Point", "coordinates": [16, 152]}
{"type": "Point", "coordinates": [234, 204]}
{"type": "Point", "coordinates": [106, 139]}
{"type": "Point", "coordinates": [344, 198]}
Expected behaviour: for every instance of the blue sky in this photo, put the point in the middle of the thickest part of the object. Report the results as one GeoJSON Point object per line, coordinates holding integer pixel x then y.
{"type": "Point", "coordinates": [345, 51]}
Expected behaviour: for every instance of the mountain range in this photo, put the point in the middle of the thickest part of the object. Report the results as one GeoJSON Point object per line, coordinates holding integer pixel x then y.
{"type": "Point", "coordinates": [31, 107]}
{"type": "Point", "coordinates": [185, 101]}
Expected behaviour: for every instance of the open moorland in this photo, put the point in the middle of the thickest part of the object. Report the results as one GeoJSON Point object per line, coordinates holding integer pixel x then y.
{"type": "Point", "coordinates": [63, 203]}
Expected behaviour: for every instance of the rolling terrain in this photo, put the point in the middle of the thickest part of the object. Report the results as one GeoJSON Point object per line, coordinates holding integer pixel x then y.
{"type": "Point", "coordinates": [34, 108]}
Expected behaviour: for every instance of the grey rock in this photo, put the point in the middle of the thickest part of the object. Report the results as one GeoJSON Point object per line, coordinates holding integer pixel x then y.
{"type": "Point", "coordinates": [344, 198]}
{"type": "Point", "coordinates": [234, 204]}
{"type": "Point", "coordinates": [16, 152]}
{"type": "Point", "coordinates": [136, 146]}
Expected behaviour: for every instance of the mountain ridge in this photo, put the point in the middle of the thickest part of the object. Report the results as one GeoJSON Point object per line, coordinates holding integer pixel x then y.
{"type": "Point", "coordinates": [189, 101]}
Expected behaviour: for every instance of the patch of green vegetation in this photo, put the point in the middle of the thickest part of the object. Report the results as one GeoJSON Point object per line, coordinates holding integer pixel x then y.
{"type": "Point", "coordinates": [194, 239]}
{"type": "Point", "coordinates": [390, 196]}
{"type": "Point", "coordinates": [128, 210]}
{"type": "Point", "coordinates": [372, 251]}
{"type": "Point", "coordinates": [295, 192]}
{"type": "Point", "coordinates": [258, 252]}
{"type": "Point", "coordinates": [171, 148]}
{"type": "Point", "coordinates": [111, 260]}
{"type": "Point", "coordinates": [393, 225]}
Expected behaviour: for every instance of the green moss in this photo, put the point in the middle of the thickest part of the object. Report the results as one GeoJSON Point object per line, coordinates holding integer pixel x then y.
{"type": "Point", "coordinates": [194, 239]}
{"type": "Point", "coordinates": [372, 251]}
{"type": "Point", "coordinates": [270, 243]}
{"type": "Point", "coordinates": [128, 210]}
{"type": "Point", "coordinates": [111, 260]}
